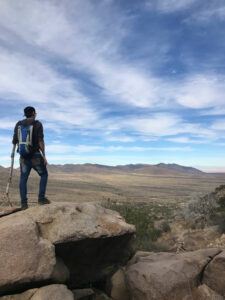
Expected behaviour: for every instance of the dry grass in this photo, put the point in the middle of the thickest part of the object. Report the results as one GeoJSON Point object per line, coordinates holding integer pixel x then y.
{"type": "Point", "coordinates": [119, 187]}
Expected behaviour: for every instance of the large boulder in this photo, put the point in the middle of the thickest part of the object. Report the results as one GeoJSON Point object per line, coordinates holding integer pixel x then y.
{"type": "Point", "coordinates": [24, 255]}
{"type": "Point", "coordinates": [215, 273]}
{"type": "Point", "coordinates": [161, 276]}
{"type": "Point", "coordinates": [50, 243]}
{"type": "Point", "coordinates": [49, 292]}
{"type": "Point", "coordinates": [91, 240]}
{"type": "Point", "coordinates": [70, 222]}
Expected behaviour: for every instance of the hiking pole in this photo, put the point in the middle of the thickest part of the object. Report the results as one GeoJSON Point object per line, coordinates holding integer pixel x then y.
{"type": "Point", "coordinates": [10, 175]}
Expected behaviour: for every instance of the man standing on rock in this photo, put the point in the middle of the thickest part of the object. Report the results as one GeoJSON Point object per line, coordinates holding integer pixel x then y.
{"type": "Point", "coordinates": [29, 137]}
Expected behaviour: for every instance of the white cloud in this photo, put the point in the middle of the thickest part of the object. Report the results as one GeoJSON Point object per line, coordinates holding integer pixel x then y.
{"type": "Point", "coordinates": [120, 138]}
{"type": "Point", "coordinates": [169, 6]}
{"type": "Point", "coordinates": [186, 140]}
{"type": "Point", "coordinates": [200, 11]}
{"type": "Point", "coordinates": [215, 111]}
{"type": "Point", "coordinates": [57, 148]}
{"type": "Point", "coordinates": [7, 123]}
{"type": "Point", "coordinates": [201, 91]}
{"type": "Point", "coordinates": [99, 40]}
{"type": "Point", "coordinates": [69, 150]}
{"type": "Point", "coordinates": [213, 10]}
{"type": "Point", "coordinates": [218, 125]}
{"type": "Point", "coordinates": [5, 139]}
{"type": "Point", "coordinates": [155, 125]}
{"type": "Point", "coordinates": [91, 44]}
{"type": "Point", "coordinates": [24, 79]}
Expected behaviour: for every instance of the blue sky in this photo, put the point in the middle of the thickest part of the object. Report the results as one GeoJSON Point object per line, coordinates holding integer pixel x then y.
{"type": "Point", "coordinates": [117, 81]}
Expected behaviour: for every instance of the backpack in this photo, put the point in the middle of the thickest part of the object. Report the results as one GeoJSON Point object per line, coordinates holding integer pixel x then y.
{"type": "Point", "coordinates": [25, 145]}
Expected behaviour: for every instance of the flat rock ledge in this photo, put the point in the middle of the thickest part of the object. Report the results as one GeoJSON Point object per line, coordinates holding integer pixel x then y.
{"type": "Point", "coordinates": [47, 246]}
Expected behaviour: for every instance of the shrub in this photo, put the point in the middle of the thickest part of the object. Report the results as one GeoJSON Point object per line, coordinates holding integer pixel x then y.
{"type": "Point", "coordinates": [142, 216]}
{"type": "Point", "coordinates": [165, 227]}
{"type": "Point", "coordinates": [201, 210]}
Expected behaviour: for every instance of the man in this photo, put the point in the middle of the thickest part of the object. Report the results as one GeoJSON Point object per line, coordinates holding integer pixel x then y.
{"type": "Point", "coordinates": [29, 137]}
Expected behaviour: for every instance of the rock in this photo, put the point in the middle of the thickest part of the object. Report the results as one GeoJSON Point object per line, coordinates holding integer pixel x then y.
{"type": "Point", "coordinates": [60, 273]}
{"type": "Point", "coordinates": [22, 296]}
{"type": "Point", "coordinates": [203, 292]}
{"type": "Point", "coordinates": [8, 210]}
{"type": "Point", "coordinates": [53, 292]}
{"type": "Point", "coordinates": [83, 294]}
{"type": "Point", "coordinates": [70, 222]}
{"type": "Point", "coordinates": [49, 292]}
{"type": "Point", "coordinates": [139, 255]}
{"type": "Point", "coordinates": [91, 240]}
{"type": "Point", "coordinates": [166, 275]}
{"type": "Point", "coordinates": [84, 241]}
{"type": "Point", "coordinates": [118, 285]}
{"type": "Point", "coordinates": [99, 295]}
{"type": "Point", "coordinates": [24, 256]}
{"type": "Point", "coordinates": [214, 274]}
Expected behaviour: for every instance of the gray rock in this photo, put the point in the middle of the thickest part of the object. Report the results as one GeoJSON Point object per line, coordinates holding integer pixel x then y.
{"type": "Point", "coordinates": [214, 274]}
{"type": "Point", "coordinates": [22, 296]}
{"type": "Point", "coordinates": [203, 292]}
{"type": "Point", "coordinates": [166, 275]}
{"type": "Point", "coordinates": [49, 292]}
{"type": "Point", "coordinates": [118, 286]}
{"type": "Point", "coordinates": [99, 295]}
{"type": "Point", "coordinates": [60, 273]}
{"type": "Point", "coordinates": [24, 256]}
{"type": "Point", "coordinates": [53, 292]}
{"type": "Point", "coordinates": [83, 294]}
{"type": "Point", "coordinates": [69, 222]}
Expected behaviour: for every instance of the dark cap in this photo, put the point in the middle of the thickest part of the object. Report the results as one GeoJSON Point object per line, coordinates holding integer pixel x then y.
{"type": "Point", "coordinates": [29, 111]}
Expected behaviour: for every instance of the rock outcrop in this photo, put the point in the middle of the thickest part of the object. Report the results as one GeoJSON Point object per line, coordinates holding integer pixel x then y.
{"type": "Point", "coordinates": [76, 244]}
{"type": "Point", "coordinates": [83, 251]}
{"type": "Point", "coordinates": [215, 273]}
{"type": "Point", "coordinates": [166, 275]}
{"type": "Point", "coordinates": [49, 292]}
{"type": "Point", "coordinates": [171, 276]}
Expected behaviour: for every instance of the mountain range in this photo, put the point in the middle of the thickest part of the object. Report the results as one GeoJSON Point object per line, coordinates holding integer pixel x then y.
{"type": "Point", "coordinates": [158, 169]}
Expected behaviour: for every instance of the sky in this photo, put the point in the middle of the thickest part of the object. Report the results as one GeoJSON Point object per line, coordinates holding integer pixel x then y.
{"type": "Point", "coordinates": [116, 81]}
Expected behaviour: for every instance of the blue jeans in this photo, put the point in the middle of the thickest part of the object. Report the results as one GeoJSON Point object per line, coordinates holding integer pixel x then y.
{"type": "Point", "coordinates": [36, 162]}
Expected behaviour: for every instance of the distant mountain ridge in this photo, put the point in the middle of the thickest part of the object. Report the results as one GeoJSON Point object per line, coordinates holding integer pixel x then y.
{"type": "Point", "coordinates": [147, 169]}
{"type": "Point", "coordinates": [158, 169]}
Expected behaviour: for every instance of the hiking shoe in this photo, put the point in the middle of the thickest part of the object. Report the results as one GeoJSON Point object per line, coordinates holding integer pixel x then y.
{"type": "Point", "coordinates": [44, 201]}
{"type": "Point", "coordinates": [24, 206]}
